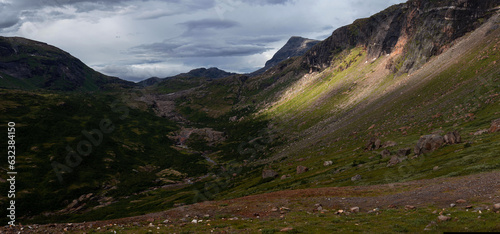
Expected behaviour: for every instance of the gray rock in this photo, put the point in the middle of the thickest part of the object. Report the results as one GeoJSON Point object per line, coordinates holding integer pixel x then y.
{"type": "Point", "coordinates": [285, 177]}
{"type": "Point", "coordinates": [496, 206]}
{"type": "Point", "coordinates": [481, 132]}
{"type": "Point", "coordinates": [495, 126]}
{"type": "Point", "coordinates": [443, 218]}
{"type": "Point", "coordinates": [356, 178]}
{"type": "Point", "coordinates": [327, 163]}
{"type": "Point", "coordinates": [394, 161]}
{"type": "Point", "coordinates": [268, 173]}
{"type": "Point", "coordinates": [404, 152]}
{"type": "Point", "coordinates": [302, 169]}
{"type": "Point", "coordinates": [355, 209]}
{"type": "Point", "coordinates": [373, 144]}
{"type": "Point", "coordinates": [428, 143]}
{"type": "Point", "coordinates": [452, 138]}
{"type": "Point", "coordinates": [385, 153]}
{"type": "Point", "coordinates": [389, 144]}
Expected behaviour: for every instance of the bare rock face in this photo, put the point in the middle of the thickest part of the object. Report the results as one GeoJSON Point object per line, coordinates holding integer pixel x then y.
{"type": "Point", "coordinates": [428, 26]}
{"type": "Point", "coordinates": [302, 169]}
{"type": "Point", "coordinates": [268, 173]}
{"type": "Point", "coordinates": [495, 126]}
{"type": "Point", "coordinates": [452, 138]}
{"type": "Point", "coordinates": [428, 143]}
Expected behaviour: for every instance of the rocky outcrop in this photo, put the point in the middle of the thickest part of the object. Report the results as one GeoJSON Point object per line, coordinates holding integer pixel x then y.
{"type": "Point", "coordinates": [419, 28]}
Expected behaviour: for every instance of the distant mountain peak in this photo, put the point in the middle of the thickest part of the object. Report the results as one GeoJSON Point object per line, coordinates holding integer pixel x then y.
{"type": "Point", "coordinates": [295, 46]}
{"type": "Point", "coordinates": [209, 73]}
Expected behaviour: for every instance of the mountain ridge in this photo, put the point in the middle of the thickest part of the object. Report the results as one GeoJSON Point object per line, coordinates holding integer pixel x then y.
{"type": "Point", "coordinates": [209, 73]}
{"type": "Point", "coordinates": [29, 64]}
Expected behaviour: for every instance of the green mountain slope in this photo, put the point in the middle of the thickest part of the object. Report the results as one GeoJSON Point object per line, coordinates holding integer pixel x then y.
{"type": "Point", "coordinates": [349, 112]}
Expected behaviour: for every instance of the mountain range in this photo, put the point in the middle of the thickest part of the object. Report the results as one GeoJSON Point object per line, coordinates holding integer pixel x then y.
{"type": "Point", "coordinates": [395, 116]}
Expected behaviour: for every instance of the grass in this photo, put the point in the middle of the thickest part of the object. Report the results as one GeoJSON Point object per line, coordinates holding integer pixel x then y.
{"type": "Point", "coordinates": [387, 221]}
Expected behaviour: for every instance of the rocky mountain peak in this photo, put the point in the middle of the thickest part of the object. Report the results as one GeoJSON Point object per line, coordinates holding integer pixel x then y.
{"type": "Point", "coordinates": [295, 46]}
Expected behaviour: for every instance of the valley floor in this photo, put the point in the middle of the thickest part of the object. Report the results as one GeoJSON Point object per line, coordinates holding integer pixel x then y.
{"type": "Point", "coordinates": [442, 204]}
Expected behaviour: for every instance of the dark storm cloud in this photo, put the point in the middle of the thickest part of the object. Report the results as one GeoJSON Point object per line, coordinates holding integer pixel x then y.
{"type": "Point", "coordinates": [208, 24]}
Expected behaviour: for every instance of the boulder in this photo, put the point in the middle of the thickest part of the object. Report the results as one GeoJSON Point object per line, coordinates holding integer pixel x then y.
{"type": "Point", "coordinates": [428, 143]}
{"type": "Point", "coordinates": [443, 218]}
{"type": "Point", "coordinates": [268, 173]}
{"type": "Point", "coordinates": [481, 132]}
{"type": "Point", "coordinates": [385, 153]}
{"type": "Point", "coordinates": [283, 177]}
{"type": "Point", "coordinates": [404, 152]}
{"type": "Point", "coordinates": [356, 178]}
{"type": "Point", "coordinates": [452, 138]}
{"type": "Point", "coordinates": [496, 206]}
{"type": "Point", "coordinates": [355, 209]}
{"type": "Point", "coordinates": [373, 144]}
{"type": "Point", "coordinates": [410, 207]}
{"type": "Point", "coordinates": [495, 126]}
{"type": "Point", "coordinates": [287, 229]}
{"type": "Point", "coordinates": [327, 163]}
{"type": "Point", "coordinates": [302, 169]}
{"type": "Point", "coordinates": [394, 161]}
{"type": "Point", "coordinates": [389, 144]}
{"type": "Point", "coordinates": [460, 201]}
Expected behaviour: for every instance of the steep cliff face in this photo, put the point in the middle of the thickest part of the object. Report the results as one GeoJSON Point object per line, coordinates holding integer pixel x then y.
{"type": "Point", "coordinates": [418, 29]}
{"type": "Point", "coordinates": [28, 64]}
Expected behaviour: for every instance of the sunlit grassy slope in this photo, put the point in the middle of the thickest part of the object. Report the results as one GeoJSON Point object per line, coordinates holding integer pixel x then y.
{"type": "Point", "coordinates": [331, 115]}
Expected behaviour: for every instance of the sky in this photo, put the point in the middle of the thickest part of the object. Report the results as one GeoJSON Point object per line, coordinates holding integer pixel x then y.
{"type": "Point", "coordinates": [139, 39]}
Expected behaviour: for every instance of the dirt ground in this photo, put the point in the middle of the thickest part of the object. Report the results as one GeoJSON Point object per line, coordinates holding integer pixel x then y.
{"type": "Point", "coordinates": [480, 189]}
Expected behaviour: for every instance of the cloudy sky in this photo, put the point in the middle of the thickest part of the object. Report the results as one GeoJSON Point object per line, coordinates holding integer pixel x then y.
{"type": "Point", "coordinates": [138, 39]}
